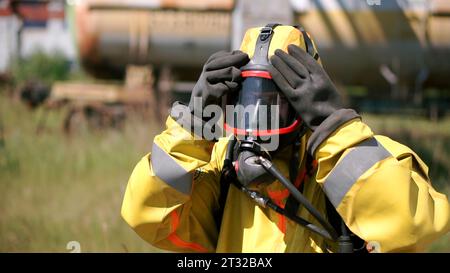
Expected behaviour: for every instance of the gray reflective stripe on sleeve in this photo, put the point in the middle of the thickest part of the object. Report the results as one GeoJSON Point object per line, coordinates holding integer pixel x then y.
{"type": "Point", "coordinates": [351, 167]}
{"type": "Point", "coordinates": [166, 168]}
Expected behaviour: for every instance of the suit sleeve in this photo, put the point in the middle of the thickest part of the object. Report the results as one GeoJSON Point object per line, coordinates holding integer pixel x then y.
{"type": "Point", "coordinates": [380, 187]}
{"type": "Point", "coordinates": [172, 193]}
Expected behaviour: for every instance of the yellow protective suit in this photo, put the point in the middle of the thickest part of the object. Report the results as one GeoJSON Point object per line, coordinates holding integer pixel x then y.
{"type": "Point", "coordinates": [379, 187]}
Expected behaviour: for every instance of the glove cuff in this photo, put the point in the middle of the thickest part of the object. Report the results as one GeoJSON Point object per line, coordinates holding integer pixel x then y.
{"type": "Point", "coordinates": [328, 126]}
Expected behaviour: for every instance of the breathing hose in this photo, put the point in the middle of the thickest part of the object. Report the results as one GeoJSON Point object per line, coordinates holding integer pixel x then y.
{"type": "Point", "coordinates": [328, 232]}
{"type": "Point", "coordinates": [270, 167]}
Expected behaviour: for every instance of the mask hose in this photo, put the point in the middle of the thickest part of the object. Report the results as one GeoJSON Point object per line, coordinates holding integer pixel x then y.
{"type": "Point", "coordinates": [270, 168]}
{"type": "Point", "coordinates": [263, 201]}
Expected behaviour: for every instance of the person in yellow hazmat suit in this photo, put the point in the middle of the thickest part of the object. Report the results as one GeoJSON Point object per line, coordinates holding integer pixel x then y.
{"type": "Point", "coordinates": [194, 193]}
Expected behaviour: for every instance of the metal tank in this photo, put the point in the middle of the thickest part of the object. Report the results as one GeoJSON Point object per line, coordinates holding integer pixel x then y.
{"type": "Point", "coordinates": [375, 43]}
{"type": "Point", "coordinates": [405, 43]}
{"type": "Point", "coordinates": [178, 33]}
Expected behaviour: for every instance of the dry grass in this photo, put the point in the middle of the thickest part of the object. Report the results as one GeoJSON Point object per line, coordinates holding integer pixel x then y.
{"type": "Point", "coordinates": [55, 189]}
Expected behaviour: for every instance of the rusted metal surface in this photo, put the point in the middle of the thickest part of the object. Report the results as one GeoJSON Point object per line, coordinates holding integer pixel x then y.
{"type": "Point", "coordinates": [109, 38]}
{"type": "Point", "coordinates": [178, 4]}
{"type": "Point", "coordinates": [440, 7]}
{"type": "Point", "coordinates": [136, 89]}
{"type": "Point", "coordinates": [106, 104]}
{"type": "Point", "coordinates": [357, 41]}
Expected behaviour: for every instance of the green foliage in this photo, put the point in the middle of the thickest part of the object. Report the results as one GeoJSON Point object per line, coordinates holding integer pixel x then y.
{"type": "Point", "coordinates": [41, 67]}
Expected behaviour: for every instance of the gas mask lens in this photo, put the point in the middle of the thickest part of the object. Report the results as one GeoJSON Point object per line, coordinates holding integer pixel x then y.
{"type": "Point", "coordinates": [260, 109]}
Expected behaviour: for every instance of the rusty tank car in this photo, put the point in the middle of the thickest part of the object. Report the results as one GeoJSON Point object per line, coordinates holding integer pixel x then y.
{"type": "Point", "coordinates": [395, 49]}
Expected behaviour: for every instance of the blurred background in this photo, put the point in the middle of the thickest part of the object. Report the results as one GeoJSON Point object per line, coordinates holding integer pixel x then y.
{"type": "Point", "coordinates": [85, 85]}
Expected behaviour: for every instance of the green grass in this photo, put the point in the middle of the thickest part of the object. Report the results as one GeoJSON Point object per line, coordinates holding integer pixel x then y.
{"type": "Point", "coordinates": [56, 188]}
{"type": "Point", "coordinates": [41, 66]}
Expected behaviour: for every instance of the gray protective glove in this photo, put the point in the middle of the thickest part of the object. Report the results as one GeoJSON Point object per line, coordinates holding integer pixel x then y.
{"type": "Point", "coordinates": [220, 76]}
{"type": "Point", "coordinates": [305, 84]}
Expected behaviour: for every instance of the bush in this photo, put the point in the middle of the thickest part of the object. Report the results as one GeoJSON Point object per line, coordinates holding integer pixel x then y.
{"type": "Point", "coordinates": [40, 67]}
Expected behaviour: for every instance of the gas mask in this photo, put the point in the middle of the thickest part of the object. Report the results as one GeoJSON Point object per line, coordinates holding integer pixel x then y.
{"type": "Point", "coordinates": [262, 119]}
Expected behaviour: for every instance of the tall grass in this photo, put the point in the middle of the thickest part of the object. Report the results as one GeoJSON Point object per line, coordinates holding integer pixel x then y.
{"type": "Point", "coordinates": [56, 188]}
